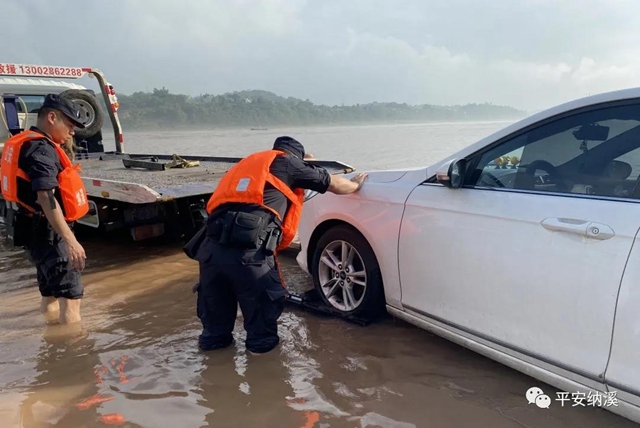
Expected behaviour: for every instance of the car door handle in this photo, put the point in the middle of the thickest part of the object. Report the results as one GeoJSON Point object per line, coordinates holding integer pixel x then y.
{"type": "Point", "coordinates": [588, 229]}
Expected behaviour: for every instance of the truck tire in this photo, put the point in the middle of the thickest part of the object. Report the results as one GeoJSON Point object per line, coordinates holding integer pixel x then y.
{"type": "Point", "coordinates": [90, 112]}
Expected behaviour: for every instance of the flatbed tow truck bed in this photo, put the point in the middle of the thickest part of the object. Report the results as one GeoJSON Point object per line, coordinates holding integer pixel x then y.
{"type": "Point", "coordinates": [142, 192]}
{"type": "Point", "coordinates": [112, 169]}
{"type": "Point", "coordinates": [108, 170]}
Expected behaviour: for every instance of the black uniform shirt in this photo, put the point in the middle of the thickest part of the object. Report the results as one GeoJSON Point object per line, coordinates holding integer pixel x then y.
{"type": "Point", "coordinates": [39, 160]}
{"type": "Point", "coordinates": [297, 174]}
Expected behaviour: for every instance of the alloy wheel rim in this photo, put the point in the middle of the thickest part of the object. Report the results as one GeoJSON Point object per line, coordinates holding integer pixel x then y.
{"type": "Point", "coordinates": [342, 276]}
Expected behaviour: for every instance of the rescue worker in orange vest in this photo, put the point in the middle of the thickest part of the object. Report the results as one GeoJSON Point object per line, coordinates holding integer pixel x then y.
{"type": "Point", "coordinates": [46, 192]}
{"type": "Point", "coordinates": [253, 214]}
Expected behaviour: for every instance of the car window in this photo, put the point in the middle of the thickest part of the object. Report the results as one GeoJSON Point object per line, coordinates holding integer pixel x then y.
{"type": "Point", "coordinates": [595, 153]}
{"type": "Point", "coordinates": [32, 102]}
{"type": "Point", "coordinates": [633, 159]}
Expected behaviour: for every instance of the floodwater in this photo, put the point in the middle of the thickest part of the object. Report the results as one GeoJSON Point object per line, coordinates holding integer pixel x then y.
{"type": "Point", "coordinates": [364, 147]}
{"type": "Point", "coordinates": [134, 362]}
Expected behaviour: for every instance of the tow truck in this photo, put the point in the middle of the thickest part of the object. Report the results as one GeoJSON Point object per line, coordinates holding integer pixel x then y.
{"type": "Point", "coordinates": [151, 195]}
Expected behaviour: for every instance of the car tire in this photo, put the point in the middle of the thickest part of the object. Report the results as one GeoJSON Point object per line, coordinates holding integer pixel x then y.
{"type": "Point", "coordinates": [91, 114]}
{"type": "Point", "coordinates": [364, 267]}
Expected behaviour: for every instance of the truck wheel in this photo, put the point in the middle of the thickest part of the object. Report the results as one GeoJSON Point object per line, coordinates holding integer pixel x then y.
{"type": "Point", "coordinates": [90, 112]}
{"type": "Point", "coordinates": [346, 273]}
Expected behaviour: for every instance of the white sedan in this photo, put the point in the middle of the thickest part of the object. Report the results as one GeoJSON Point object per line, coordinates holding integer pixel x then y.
{"type": "Point", "coordinates": [519, 247]}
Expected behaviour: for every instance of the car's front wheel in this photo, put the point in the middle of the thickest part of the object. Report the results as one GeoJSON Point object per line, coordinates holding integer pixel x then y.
{"type": "Point", "coordinates": [346, 273]}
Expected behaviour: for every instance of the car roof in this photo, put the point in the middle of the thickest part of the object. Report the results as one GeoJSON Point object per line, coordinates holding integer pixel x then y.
{"type": "Point", "coordinates": [34, 86]}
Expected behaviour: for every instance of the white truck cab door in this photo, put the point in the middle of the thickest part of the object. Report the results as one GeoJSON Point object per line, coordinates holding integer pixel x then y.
{"type": "Point", "coordinates": [528, 255]}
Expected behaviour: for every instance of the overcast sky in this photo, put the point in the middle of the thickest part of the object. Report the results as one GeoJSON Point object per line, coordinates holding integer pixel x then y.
{"type": "Point", "coordinates": [529, 54]}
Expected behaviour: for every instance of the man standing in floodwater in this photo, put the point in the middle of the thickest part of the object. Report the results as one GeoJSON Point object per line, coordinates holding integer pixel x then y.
{"type": "Point", "coordinates": [254, 213]}
{"type": "Point", "coordinates": [46, 196]}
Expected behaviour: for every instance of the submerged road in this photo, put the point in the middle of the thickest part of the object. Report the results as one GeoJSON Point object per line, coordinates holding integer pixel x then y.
{"type": "Point", "coordinates": [135, 362]}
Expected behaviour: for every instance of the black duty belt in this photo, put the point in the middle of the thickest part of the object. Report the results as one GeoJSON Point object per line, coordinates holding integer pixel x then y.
{"type": "Point", "coordinates": [245, 230]}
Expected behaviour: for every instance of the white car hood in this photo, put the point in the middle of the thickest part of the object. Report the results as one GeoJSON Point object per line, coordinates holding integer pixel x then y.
{"type": "Point", "coordinates": [387, 176]}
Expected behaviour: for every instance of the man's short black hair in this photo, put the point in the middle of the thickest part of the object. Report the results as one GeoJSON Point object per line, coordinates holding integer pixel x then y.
{"type": "Point", "coordinates": [44, 111]}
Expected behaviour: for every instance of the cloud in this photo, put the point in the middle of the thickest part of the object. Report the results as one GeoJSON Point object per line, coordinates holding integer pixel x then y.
{"type": "Point", "coordinates": [529, 54]}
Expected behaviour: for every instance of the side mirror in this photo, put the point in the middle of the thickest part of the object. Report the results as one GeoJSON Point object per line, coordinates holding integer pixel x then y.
{"type": "Point", "coordinates": [451, 174]}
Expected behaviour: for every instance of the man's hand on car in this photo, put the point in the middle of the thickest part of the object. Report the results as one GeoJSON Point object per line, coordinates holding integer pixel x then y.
{"type": "Point", "coordinates": [359, 179]}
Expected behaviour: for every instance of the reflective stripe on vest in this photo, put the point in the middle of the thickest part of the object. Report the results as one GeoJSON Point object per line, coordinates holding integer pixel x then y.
{"type": "Point", "coordinates": [245, 182]}
{"type": "Point", "coordinates": [72, 191]}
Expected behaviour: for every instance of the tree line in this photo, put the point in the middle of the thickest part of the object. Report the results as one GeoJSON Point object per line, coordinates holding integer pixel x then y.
{"type": "Point", "coordinates": [162, 109]}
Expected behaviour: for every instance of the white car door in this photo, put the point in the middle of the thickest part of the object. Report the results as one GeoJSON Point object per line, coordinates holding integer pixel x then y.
{"type": "Point", "coordinates": [530, 257]}
{"type": "Point", "coordinates": [623, 376]}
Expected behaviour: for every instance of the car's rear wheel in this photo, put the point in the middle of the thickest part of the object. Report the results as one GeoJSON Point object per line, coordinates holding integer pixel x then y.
{"type": "Point", "coordinates": [346, 273]}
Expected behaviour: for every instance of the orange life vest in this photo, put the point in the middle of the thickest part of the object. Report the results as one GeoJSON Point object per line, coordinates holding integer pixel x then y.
{"type": "Point", "coordinates": [244, 183]}
{"type": "Point", "coordinates": [72, 191]}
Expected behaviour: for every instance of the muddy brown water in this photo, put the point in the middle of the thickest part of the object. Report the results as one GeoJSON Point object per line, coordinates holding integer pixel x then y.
{"type": "Point", "coordinates": [135, 363]}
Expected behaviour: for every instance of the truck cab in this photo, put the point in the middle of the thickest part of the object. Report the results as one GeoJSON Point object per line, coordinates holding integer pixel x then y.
{"type": "Point", "coordinates": [23, 97]}
{"type": "Point", "coordinates": [23, 89]}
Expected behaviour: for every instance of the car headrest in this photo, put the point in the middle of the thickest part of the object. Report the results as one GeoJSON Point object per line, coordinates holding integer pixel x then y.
{"type": "Point", "coordinates": [618, 170]}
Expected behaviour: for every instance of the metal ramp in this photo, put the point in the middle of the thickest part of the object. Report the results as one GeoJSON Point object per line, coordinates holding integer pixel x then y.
{"type": "Point", "coordinates": [311, 302]}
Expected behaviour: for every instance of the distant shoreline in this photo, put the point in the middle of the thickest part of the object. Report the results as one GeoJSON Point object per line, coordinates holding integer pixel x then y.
{"type": "Point", "coordinates": [161, 110]}
{"type": "Point", "coordinates": [270, 128]}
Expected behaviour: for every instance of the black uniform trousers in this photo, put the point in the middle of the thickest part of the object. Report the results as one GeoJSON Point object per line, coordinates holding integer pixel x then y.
{"type": "Point", "coordinates": [56, 277]}
{"type": "Point", "coordinates": [231, 276]}
{"type": "Point", "coordinates": [48, 253]}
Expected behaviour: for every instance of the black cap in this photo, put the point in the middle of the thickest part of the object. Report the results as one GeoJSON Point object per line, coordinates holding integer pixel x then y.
{"type": "Point", "coordinates": [64, 106]}
{"type": "Point", "coordinates": [289, 145]}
